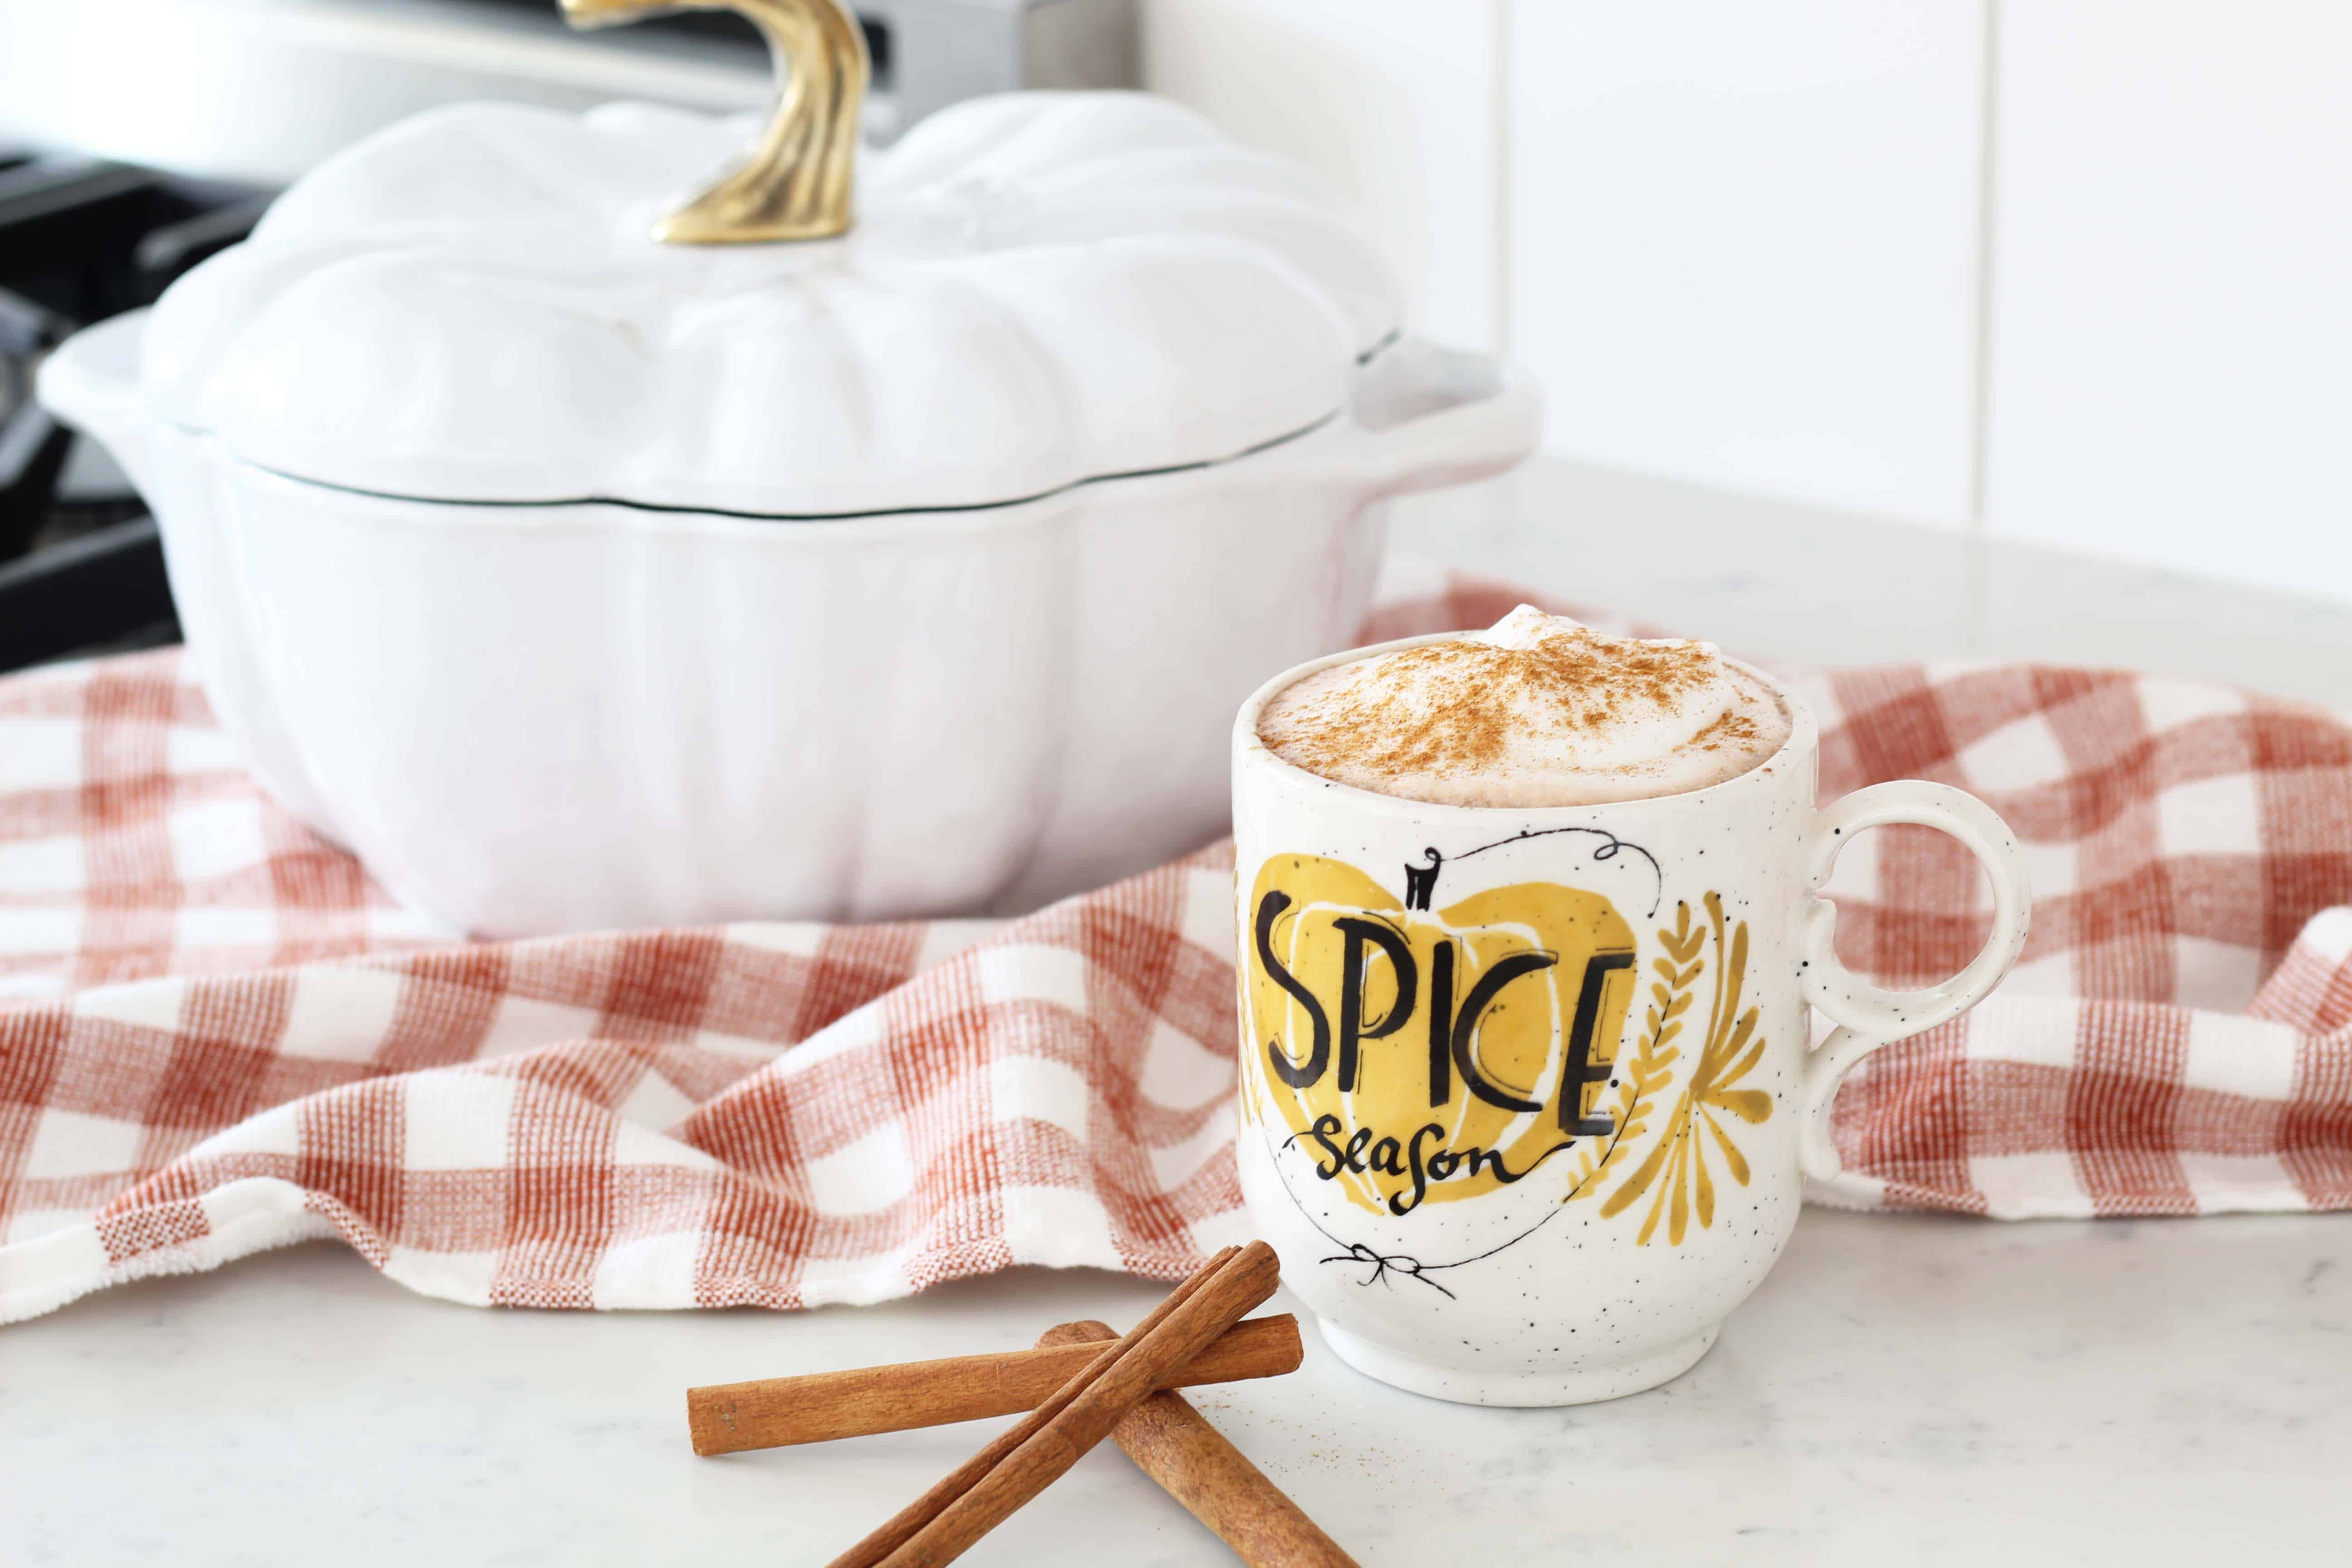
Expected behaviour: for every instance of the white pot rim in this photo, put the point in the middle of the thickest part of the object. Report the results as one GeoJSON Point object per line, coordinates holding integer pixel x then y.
{"type": "Point", "coordinates": [1418, 416]}
{"type": "Point", "coordinates": [606, 512]}
{"type": "Point", "coordinates": [656, 511]}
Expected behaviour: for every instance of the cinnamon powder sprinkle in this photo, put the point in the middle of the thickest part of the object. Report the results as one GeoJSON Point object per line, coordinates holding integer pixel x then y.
{"type": "Point", "coordinates": [1576, 680]}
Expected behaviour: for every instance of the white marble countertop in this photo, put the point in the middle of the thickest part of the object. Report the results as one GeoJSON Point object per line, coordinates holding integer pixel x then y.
{"type": "Point", "coordinates": [1904, 1389]}
{"type": "Point", "coordinates": [1777, 581]}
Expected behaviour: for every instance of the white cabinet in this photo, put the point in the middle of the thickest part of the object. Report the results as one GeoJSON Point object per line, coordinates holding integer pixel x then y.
{"type": "Point", "coordinates": [1744, 239]}
{"type": "Point", "coordinates": [1394, 100]}
{"type": "Point", "coordinates": [2078, 272]}
{"type": "Point", "coordinates": [2171, 332]}
{"type": "Point", "coordinates": [1737, 243]}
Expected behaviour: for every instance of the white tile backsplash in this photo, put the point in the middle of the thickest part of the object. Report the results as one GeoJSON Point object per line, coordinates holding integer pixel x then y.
{"type": "Point", "coordinates": [1743, 242]}
{"type": "Point", "coordinates": [1393, 100]}
{"type": "Point", "coordinates": [2172, 324]}
{"type": "Point", "coordinates": [2065, 273]}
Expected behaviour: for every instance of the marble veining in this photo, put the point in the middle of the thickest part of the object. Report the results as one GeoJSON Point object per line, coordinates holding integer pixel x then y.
{"type": "Point", "coordinates": [1902, 1389]}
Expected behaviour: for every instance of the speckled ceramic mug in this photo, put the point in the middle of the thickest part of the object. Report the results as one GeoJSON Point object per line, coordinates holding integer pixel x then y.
{"type": "Point", "coordinates": [1526, 1100]}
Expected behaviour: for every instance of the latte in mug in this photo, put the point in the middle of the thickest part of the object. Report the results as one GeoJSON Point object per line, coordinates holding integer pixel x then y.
{"type": "Point", "coordinates": [1536, 710]}
{"type": "Point", "coordinates": [1528, 929]}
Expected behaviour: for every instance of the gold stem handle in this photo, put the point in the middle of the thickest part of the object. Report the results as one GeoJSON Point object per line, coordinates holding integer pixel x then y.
{"type": "Point", "coordinates": [797, 182]}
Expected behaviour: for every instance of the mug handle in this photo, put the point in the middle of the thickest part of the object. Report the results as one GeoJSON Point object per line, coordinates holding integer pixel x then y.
{"type": "Point", "coordinates": [1868, 1016]}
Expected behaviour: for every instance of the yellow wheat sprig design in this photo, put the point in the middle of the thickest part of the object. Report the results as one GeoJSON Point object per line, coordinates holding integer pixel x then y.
{"type": "Point", "coordinates": [1651, 1065]}
{"type": "Point", "coordinates": [1730, 1053]}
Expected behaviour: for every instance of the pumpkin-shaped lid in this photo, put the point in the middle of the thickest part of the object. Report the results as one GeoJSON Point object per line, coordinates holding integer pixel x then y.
{"type": "Point", "coordinates": [1039, 289]}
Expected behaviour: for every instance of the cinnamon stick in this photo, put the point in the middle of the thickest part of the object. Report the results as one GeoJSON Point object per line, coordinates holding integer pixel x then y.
{"type": "Point", "coordinates": [776, 1412]}
{"type": "Point", "coordinates": [902, 1526]}
{"type": "Point", "coordinates": [1172, 1443]}
{"type": "Point", "coordinates": [955, 1514]}
{"type": "Point", "coordinates": [1236, 1287]}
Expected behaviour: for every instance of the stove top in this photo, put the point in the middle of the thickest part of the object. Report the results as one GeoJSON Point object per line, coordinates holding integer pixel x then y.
{"type": "Point", "coordinates": [80, 239]}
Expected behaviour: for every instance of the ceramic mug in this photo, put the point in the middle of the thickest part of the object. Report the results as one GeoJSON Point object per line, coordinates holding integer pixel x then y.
{"type": "Point", "coordinates": [1526, 1095]}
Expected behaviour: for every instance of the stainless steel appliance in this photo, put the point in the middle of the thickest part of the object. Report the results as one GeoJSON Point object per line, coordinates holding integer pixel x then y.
{"type": "Point", "coordinates": [262, 89]}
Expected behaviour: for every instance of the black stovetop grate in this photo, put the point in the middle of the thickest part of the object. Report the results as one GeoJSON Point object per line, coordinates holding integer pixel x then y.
{"type": "Point", "coordinates": [81, 240]}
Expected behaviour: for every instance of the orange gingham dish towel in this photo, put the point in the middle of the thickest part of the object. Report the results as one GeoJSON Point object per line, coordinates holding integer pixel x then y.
{"type": "Point", "coordinates": [218, 1034]}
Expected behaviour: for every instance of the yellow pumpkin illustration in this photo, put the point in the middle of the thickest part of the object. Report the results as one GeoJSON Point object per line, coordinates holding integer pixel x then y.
{"type": "Point", "coordinates": [1425, 1056]}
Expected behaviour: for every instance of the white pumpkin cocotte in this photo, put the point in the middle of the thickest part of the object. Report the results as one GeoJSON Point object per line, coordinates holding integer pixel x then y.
{"type": "Point", "coordinates": [575, 580]}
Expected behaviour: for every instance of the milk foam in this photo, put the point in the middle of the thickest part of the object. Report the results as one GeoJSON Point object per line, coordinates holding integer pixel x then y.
{"type": "Point", "coordinates": [1536, 710]}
